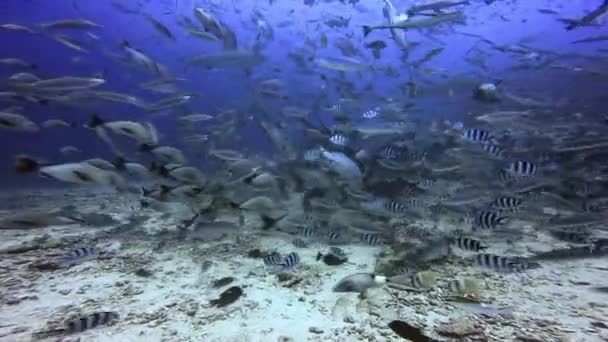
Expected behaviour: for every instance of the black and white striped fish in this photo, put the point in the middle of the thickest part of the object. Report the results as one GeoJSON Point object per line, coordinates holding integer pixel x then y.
{"type": "Point", "coordinates": [503, 264]}
{"type": "Point", "coordinates": [370, 238]}
{"type": "Point", "coordinates": [299, 243]}
{"type": "Point", "coordinates": [312, 155]}
{"type": "Point", "coordinates": [416, 156]}
{"type": "Point", "coordinates": [417, 281]}
{"type": "Point", "coordinates": [332, 236]}
{"type": "Point", "coordinates": [273, 259]}
{"type": "Point", "coordinates": [489, 220]}
{"type": "Point", "coordinates": [370, 114]}
{"type": "Point", "coordinates": [426, 184]}
{"type": "Point", "coordinates": [495, 151]}
{"type": "Point", "coordinates": [522, 168]}
{"type": "Point", "coordinates": [507, 203]}
{"type": "Point", "coordinates": [290, 261]}
{"type": "Point", "coordinates": [390, 152]}
{"type": "Point", "coordinates": [477, 135]}
{"type": "Point", "coordinates": [395, 207]}
{"type": "Point", "coordinates": [338, 139]}
{"type": "Point", "coordinates": [91, 321]}
{"type": "Point", "coordinates": [468, 244]}
{"type": "Point", "coordinates": [416, 203]}
{"type": "Point", "coordinates": [307, 232]}
{"type": "Point", "coordinates": [82, 254]}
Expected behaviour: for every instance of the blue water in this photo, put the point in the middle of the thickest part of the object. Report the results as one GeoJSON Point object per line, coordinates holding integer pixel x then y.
{"type": "Point", "coordinates": [503, 22]}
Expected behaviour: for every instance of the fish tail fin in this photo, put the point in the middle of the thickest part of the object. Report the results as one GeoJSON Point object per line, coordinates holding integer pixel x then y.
{"type": "Point", "coordinates": [158, 169]}
{"type": "Point", "coordinates": [124, 43]}
{"type": "Point", "coordinates": [119, 162]}
{"type": "Point", "coordinates": [319, 256]}
{"type": "Point", "coordinates": [95, 121]}
{"type": "Point", "coordinates": [145, 148]}
{"type": "Point", "coordinates": [270, 222]}
{"type": "Point", "coordinates": [146, 192]}
{"type": "Point", "coordinates": [25, 164]}
{"type": "Point", "coordinates": [367, 30]}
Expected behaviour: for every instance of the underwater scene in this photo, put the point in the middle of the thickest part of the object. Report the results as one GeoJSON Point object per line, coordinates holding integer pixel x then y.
{"type": "Point", "coordinates": [303, 170]}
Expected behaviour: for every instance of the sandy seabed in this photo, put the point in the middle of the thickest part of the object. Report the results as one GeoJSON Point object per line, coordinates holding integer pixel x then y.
{"type": "Point", "coordinates": [162, 287]}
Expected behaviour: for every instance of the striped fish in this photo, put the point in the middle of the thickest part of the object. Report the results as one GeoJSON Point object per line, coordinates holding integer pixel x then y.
{"type": "Point", "coordinates": [370, 238]}
{"type": "Point", "coordinates": [426, 184]}
{"type": "Point", "coordinates": [299, 243]}
{"type": "Point", "coordinates": [417, 156]}
{"type": "Point", "coordinates": [312, 155]}
{"type": "Point", "coordinates": [307, 232]}
{"type": "Point", "coordinates": [468, 244]}
{"type": "Point", "coordinates": [370, 114]}
{"type": "Point", "coordinates": [464, 286]}
{"type": "Point", "coordinates": [495, 151]}
{"type": "Point", "coordinates": [522, 168]}
{"type": "Point", "coordinates": [416, 203]}
{"type": "Point", "coordinates": [338, 139]}
{"type": "Point", "coordinates": [503, 264]}
{"type": "Point", "coordinates": [424, 280]}
{"type": "Point", "coordinates": [290, 261]}
{"type": "Point", "coordinates": [395, 207]}
{"type": "Point", "coordinates": [91, 321]}
{"type": "Point", "coordinates": [507, 203]}
{"type": "Point", "coordinates": [390, 152]}
{"type": "Point", "coordinates": [477, 135]}
{"type": "Point", "coordinates": [273, 259]}
{"type": "Point", "coordinates": [418, 232]}
{"type": "Point", "coordinates": [489, 220]}
{"type": "Point", "coordinates": [81, 254]}
{"type": "Point", "coordinates": [332, 236]}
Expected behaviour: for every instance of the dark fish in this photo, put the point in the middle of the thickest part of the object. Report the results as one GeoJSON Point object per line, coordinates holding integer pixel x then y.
{"type": "Point", "coordinates": [434, 7]}
{"type": "Point", "coordinates": [574, 234]}
{"type": "Point", "coordinates": [332, 259]}
{"type": "Point", "coordinates": [337, 251]}
{"type": "Point", "coordinates": [376, 46]}
{"type": "Point", "coordinates": [91, 321]}
{"type": "Point", "coordinates": [222, 282]}
{"type": "Point", "coordinates": [227, 297]}
{"type": "Point", "coordinates": [583, 252]}
{"type": "Point", "coordinates": [589, 18]}
{"type": "Point", "coordinates": [408, 331]}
